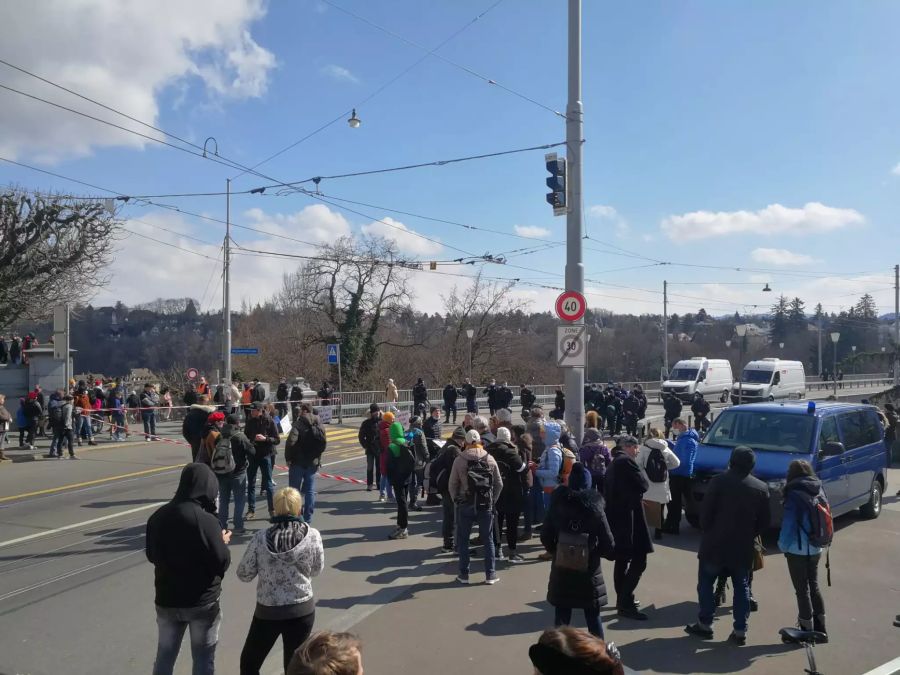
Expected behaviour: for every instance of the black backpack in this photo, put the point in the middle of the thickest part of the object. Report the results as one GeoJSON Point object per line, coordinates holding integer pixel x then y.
{"type": "Point", "coordinates": [311, 441]}
{"type": "Point", "coordinates": [481, 484]}
{"type": "Point", "coordinates": [222, 460]}
{"type": "Point", "coordinates": [56, 415]}
{"type": "Point", "coordinates": [656, 468]}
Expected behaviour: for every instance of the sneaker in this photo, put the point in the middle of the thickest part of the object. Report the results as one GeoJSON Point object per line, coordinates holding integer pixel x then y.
{"type": "Point", "coordinates": [754, 605]}
{"type": "Point", "coordinates": [448, 549]}
{"type": "Point", "coordinates": [369, 488]}
{"type": "Point", "coordinates": [250, 515]}
{"type": "Point", "coordinates": [415, 507]}
{"type": "Point", "coordinates": [147, 439]}
{"type": "Point", "coordinates": [631, 613]}
{"type": "Point", "coordinates": [516, 559]}
{"type": "Point", "coordinates": [492, 579]}
{"type": "Point", "coordinates": [461, 579]}
{"type": "Point", "coordinates": [699, 630]}
{"type": "Point", "coordinates": [381, 499]}
{"type": "Point", "coordinates": [70, 457]}
{"type": "Point", "coordinates": [740, 639]}
{"type": "Point", "coordinates": [498, 555]}
{"type": "Point", "coordinates": [399, 533]}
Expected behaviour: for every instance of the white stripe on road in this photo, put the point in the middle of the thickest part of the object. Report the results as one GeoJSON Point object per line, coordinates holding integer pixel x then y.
{"type": "Point", "coordinates": [75, 526]}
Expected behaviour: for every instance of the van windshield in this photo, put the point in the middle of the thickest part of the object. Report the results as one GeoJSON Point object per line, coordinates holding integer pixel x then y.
{"type": "Point", "coordinates": [777, 432]}
{"type": "Point", "coordinates": [756, 376]}
{"type": "Point", "coordinates": [684, 374]}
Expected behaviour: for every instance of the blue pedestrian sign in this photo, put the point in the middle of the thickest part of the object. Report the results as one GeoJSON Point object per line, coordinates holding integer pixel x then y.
{"type": "Point", "coordinates": [250, 351]}
{"type": "Point", "coordinates": [333, 354]}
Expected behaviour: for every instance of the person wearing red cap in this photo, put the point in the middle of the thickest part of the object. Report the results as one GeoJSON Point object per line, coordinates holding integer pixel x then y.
{"type": "Point", "coordinates": [214, 424]}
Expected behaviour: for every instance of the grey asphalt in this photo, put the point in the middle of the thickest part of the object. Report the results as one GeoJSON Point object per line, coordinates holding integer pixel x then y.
{"type": "Point", "coordinates": [80, 600]}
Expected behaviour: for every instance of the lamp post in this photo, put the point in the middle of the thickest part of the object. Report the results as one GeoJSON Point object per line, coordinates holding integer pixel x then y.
{"type": "Point", "coordinates": [781, 345]}
{"type": "Point", "coordinates": [728, 343]}
{"type": "Point", "coordinates": [853, 349]}
{"type": "Point", "coordinates": [471, 334]}
{"type": "Point", "coordinates": [834, 338]}
{"type": "Point", "coordinates": [741, 330]}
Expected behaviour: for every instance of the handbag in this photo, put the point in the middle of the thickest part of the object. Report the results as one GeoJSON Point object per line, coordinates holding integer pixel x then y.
{"type": "Point", "coordinates": [759, 554]}
{"type": "Point", "coordinates": [572, 549]}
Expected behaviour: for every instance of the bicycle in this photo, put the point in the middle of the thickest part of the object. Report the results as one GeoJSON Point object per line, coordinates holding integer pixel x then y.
{"type": "Point", "coordinates": [806, 639]}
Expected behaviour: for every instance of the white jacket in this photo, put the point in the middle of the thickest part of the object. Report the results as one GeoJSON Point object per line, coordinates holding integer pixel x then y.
{"type": "Point", "coordinates": [657, 492]}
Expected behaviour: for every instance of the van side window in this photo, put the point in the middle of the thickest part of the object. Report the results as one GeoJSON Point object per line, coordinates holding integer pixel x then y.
{"type": "Point", "coordinates": [872, 428]}
{"type": "Point", "coordinates": [828, 433]}
{"type": "Point", "coordinates": [777, 378]}
{"type": "Point", "coordinates": [857, 429]}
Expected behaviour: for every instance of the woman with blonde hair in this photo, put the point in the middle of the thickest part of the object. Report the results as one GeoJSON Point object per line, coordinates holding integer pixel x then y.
{"type": "Point", "coordinates": [285, 557]}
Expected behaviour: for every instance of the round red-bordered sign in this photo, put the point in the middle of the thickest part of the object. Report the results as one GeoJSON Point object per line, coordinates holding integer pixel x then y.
{"type": "Point", "coordinates": [570, 306]}
{"type": "Point", "coordinates": [192, 373]}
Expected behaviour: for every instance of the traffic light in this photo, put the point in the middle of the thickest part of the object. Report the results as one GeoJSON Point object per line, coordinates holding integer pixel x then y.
{"type": "Point", "coordinates": [556, 166]}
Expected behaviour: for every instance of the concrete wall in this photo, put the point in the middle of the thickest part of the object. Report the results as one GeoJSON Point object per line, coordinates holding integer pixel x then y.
{"type": "Point", "coordinates": [13, 383]}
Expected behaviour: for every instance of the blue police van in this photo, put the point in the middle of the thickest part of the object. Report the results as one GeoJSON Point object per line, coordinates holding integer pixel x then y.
{"type": "Point", "coordinates": [844, 442]}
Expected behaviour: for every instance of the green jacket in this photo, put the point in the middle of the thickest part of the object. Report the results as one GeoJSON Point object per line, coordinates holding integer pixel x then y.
{"type": "Point", "coordinates": [398, 439]}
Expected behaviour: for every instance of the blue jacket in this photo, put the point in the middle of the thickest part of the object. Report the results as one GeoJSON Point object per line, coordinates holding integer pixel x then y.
{"type": "Point", "coordinates": [686, 450]}
{"type": "Point", "coordinates": [548, 470]}
{"type": "Point", "coordinates": [793, 537]}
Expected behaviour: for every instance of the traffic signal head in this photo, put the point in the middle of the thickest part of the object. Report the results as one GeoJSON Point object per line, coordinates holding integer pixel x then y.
{"type": "Point", "coordinates": [556, 166]}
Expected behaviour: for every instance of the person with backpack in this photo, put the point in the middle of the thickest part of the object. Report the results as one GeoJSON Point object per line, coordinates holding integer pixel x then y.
{"type": "Point", "coordinates": [61, 421]}
{"type": "Point", "coordinates": [418, 444]}
{"type": "Point", "coordinates": [229, 463]}
{"type": "Point", "coordinates": [514, 471]}
{"type": "Point", "coordinates": [547, 470]}
{"type": "Point", "coordinates": [578, 536]}
{"type": "Point", "coordinates": [212, 431]}
{"type": "Point", "coordinates": [263, 433]}
{"type": "Point", "coordinates": [806, 530]}
{"type": "Point", "coordinates": [735, 512]}
{"type": "Point", "coordinates": [656, 460]}
{"type": "Point", "coordinates": [680, 477]}
{"type": "Point", "coordinates": [368, 437]}
{"type": "Point", "coordinates": [303, 453]}
{"type": "Point", "coordinates": [385, 489]}
{"type": "Point", "coordinates": [594, 456]}
{"type": "Point", "coordinates": [400, 467]}
{"type": "Point", "coordinates": [194, 424]}
{"type": "Point", "coordinates": [624, 493]}
{"type": "Point", "coordinates": [439, 476]}
{"type": "Point", "coordinates": [54, 420]}
{"type": "Point", "coordinates": [475, 487]}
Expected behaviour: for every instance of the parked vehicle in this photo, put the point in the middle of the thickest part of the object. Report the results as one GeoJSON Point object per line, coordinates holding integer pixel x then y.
{"type": "Point", "coordinates": [844, 442]}
{"type": "Point", "coordinates": [710, 377]}
{"type": "Point", "coordinates": [770, 380]}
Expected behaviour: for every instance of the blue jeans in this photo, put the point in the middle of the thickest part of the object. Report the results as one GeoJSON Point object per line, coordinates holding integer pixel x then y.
{"type": "Point", "coordinates": [118, 429]}
{"type": "Point", "coordinates": [535, 507]}
{"type": "Point", "coordinates": [236, 485]}
{"type": "Point", "coordinates": [204, 626]}
{"type": "Point", "coordinates": [466, 517]}
{"type": "Point", "coordinates": [385, 486]}
{"type": "Point", "coordinates": [706, 581]}
{"type": "Point", "coordinates": [303, 479]}
{"type": "Point", "coordinates": [84, 427]}
{"type": "Point", "coordinates": [264, 466]}
{"type": "Point", "coordinates": [149, 417]}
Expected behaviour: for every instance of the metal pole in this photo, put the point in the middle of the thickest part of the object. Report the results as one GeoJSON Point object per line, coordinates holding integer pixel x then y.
{"type": "Point", "coordinates": [470, 360]}
{"type": "Point", "coordinates": [574, 377]}
{"type": "Point", "coordinates": [741, 365]}
{"type": "Point", "coordinates": [666, 326]}
{"type": "Point", "coordinates": [820, 345]}
{"type": "Point", "coordinates": [67, 343]}
{"type": "Point", "coordinates": [226, 282]}
{"type": "Point", "coordinates": [834, 368]}
{"type": "Point", "coordinates": [340, 391]}
{"type": "Point", "coordinates": [896, 325]}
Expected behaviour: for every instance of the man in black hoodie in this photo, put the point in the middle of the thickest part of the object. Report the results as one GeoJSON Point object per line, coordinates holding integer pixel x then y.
{"type": "Point", "coordinates": [450, 394]}
{"type": "Point", "coordinates": [190, 555]}
{"type": "Point", "coordinates": [264, 435]}
{"type": "Point", "coordinates": [735, 511]}
{"type": "Point", "coordinates": [281, 398]}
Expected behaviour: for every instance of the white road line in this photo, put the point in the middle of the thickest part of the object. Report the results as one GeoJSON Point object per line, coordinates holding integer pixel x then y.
{"type": "Point", "coordinates": [75, 526]}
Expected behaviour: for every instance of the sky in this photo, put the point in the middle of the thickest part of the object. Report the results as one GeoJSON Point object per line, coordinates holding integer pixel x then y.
{"type": "Point", "coordinates": [759, 139]}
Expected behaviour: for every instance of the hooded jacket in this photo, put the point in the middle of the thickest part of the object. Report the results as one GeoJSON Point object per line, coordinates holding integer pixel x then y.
{"type": "Point", "coordinates": [550, 464]}
{"type": "Point", "coordinates": [625, 485]}
{"type": "Point", "coordinates": [686, 449]}
{"type": "Point", "coordinates": [241, 448]}
{"type": "Point", "coordinates": [265, 426]}
{"type": "Point", "coordinates": [657, 492]}
{"type": "Point", "coordinates": [285, 557]}
{"type": "Point", "coordinates": [400, 460]}
{"type": "Point", "coordinates": [581, 509]}
{"type": "Point", "coordinates": [459, 474]}
{"type": "Point", "coordinates": [184, 543]}
{"type": "Point", "coordinates": [795, 525]}
{"type": "Point", "coordinates": [195, 423]}
{"type": "Point", "coordinates": [592, 446]}
{"type": "Point", "coordinates": [513, 468]}
{"type": "Point", "coordinates": [369, 436]}
{"type": "Point", "coordinates": [441, 468]}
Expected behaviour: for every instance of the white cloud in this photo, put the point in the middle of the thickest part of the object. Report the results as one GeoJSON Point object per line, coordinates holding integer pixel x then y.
{"type": "Point", "coordinates": [124, 55]}
{"type": "Point", "coordinates": [812, 218]}
{"type": "Point", "coordinates": [781, 256]}
{"type": "Point", "coordinates": [532, 231]}
{"type": "Point", "coordinates": [896, 169]}
{"type": "Point", "coordinates": [407, 240]}
{"type": "Point", "coordinates": [315, 223]}
{"type": "Point", "coordinates": [339, 73]}
{"type": "Point", "coordinates": [612, 217]}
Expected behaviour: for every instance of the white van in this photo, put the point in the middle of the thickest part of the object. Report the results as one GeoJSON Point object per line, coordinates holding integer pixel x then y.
{"type": "Point", "coordinates": [770, 379]}
{"type": "Point", "coordinates": [710, 377]}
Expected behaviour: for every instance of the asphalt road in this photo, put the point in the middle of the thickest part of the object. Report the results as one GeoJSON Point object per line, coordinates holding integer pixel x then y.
{"type": "Point", "coordinates": [76, 593]}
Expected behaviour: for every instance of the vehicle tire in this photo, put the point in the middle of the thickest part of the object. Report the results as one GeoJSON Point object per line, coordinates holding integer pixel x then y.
{"type": "Point", "coordinates": [724, 397]}
{"type": "Point", "coordinates": [771, 399]}
{"type": "Point", "coordinates": [693, 519]}
{"type": "Point", "coordinates": [872, 508]}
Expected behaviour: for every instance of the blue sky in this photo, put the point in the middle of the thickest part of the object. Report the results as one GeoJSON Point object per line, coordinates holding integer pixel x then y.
{"type": "Point", "coordinates": [759, 135]}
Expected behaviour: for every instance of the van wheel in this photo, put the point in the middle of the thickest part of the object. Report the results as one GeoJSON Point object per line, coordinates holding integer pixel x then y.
{"type": "Point", "coordinates": [872, 508]}
{"type": "Point", "coordinates": [724, 397]}
{"type": "Point", "coordinates": [771, 399]}
{"type": "Point", "coordinates": [693, 519]}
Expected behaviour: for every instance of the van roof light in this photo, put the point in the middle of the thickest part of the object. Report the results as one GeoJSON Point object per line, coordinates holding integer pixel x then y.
{"type": "Point", "coordinates": [811, 408]}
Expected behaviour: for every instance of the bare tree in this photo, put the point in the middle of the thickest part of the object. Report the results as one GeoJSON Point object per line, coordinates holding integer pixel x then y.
{"type": "Point", "coordinates": [52, 250]}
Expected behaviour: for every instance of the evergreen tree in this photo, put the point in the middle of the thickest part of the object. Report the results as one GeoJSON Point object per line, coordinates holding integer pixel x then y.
{"type": "Point", "coordinates": [779, 320]}
{"type": "Point", "coordinates": [797, 315]}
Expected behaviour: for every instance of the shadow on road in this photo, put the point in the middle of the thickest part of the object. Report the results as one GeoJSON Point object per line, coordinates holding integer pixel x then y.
{"type": "Point", "coordinates": [524, 623]}
{"type": "Point", "coordinates": [689, 655]}
{"type": "Point", "coordinates": [123, 502]}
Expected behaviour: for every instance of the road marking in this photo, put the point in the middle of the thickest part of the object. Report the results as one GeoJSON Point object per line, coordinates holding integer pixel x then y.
{"type": "Point", "coordinates": [97, 481]}
{"type": "Point", "coordinates": [75, 526]}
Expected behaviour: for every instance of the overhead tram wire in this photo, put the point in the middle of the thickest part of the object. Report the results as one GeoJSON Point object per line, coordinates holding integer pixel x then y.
{"type": "Point", "coordinates": [375, 93]}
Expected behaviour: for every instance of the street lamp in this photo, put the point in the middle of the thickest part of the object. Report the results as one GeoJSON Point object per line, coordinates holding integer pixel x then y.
{"type": "Point", "coordinates": [853, 348]}
{"type": "Point", "coordinates": [781, 345]}
{"type": "Point", "coordinates": [834, 338]}
{"type": "Point", "coordinates": [354, 121]}
{"type": "Point", "coordinates": [728, 343]}
{"type": "Point", "coordinates": [741, 330]}
{"type": "Point", "coordinates": [471, 334]}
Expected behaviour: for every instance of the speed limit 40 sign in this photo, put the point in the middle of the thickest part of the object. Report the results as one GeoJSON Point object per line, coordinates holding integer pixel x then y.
{"type": "Point", "coordinates": [570, 306]}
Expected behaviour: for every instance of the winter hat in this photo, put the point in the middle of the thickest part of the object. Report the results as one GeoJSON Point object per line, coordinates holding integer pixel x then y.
{"type": "Point", "coordinates": [579, 478]}
{"type": "Point", "coordinates": [374, 408]}
{"type": "Point", "coordinates": [473, 437]}
{"type": "Point", "coordinates": [459, 433]}
{"type": "Point", "coordinates": [552, 432]}
{"type": "Point", "coordinates": [503, 435]}
{"type": "Point", "coordinates": [388, 417]}
{"type": "Point", "coordinates": [216, 417]}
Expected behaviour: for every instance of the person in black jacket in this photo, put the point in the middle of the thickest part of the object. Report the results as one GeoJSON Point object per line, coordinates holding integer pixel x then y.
{"type": "Point", "coordinates": [440, 477]}
{"type": "Point", "coordinates": [371, 443]}
{"type": "Point", "coordinates": [281, 398]}
{"type": "Point", "coordinates": [624, 490]}
{"type": "Point", "coordinates": [504, 396]}
{"type": "Point", "coordinates": [576, 519]}
{"type": "Point", "coordinates": [303, 454]}
{"type": "Point", "coordinates": [672, 406]}
{"type": "Point", "coordinates": [735, 511]}
{"type": "Point", "coordinates": [234, 483]}
{"type": "Point", "coordinates": [420, 398]}
{"type": "Point", "coordinates": [296, 400]}
{"type": "Point", "coordinates": [189, 553]}
{"type": "Point", "coordinates": [258, 394]}
{"type": "Point", "coordinates": [491, 392]}
{"type": "Point", "coordinates": [700, 408]}
{"type": "Point", "coordinates": [450, 394]}
{"type": "Point", "coordinates": [470, 393]}
{"type": "Point", "coordinates": [526, 398]}
{"type": "Point", "coordinates": [514, 471]}
{"type": "Point", "coordinates": [263, 433]}
{"type": "Point", "coordinates": [194, 426]}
